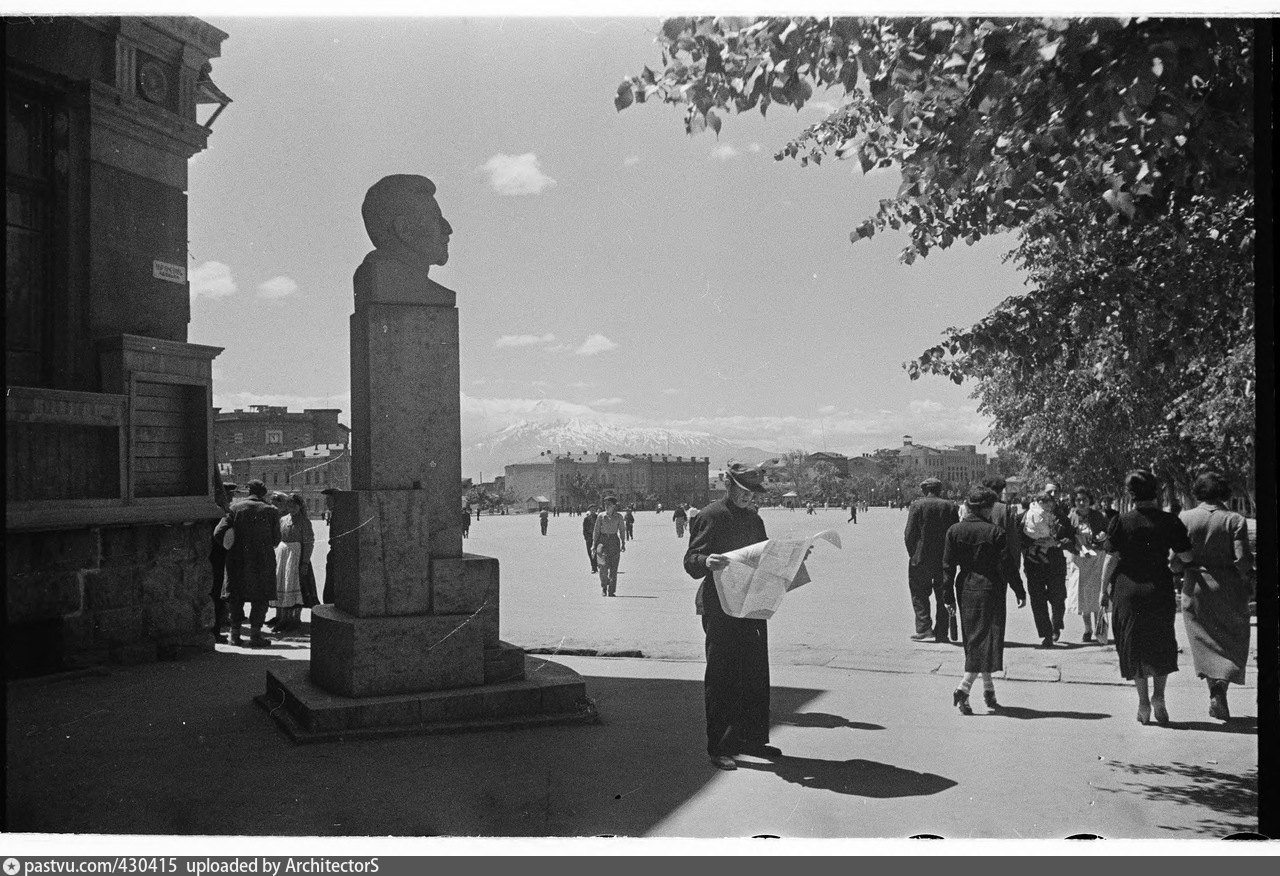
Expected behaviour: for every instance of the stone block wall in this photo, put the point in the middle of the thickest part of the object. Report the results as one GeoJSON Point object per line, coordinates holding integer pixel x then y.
{"type": "Point", "coordinates": [121, 594]}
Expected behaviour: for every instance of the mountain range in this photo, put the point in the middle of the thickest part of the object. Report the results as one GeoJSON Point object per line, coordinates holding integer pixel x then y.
{"type": "Point", "coordinates": [525, 440]}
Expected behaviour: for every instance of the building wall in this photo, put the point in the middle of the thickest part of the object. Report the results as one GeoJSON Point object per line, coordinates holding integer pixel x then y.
{"type": "Point", "coordinates": [106, 556]}
{"type": "Point", "coordinates": [528, 479]}
{"type": "Point", "coordinates": [265, 429]}
{"type": "Point", "coordinates": [632, 478]}
{"type": "Point", "coordinates": [308, 471]}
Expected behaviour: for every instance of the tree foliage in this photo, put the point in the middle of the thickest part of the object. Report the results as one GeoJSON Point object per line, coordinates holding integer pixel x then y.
{"type": "Point", "coordinates": [995, 124]}
{"type": "Point", "coordinates": [1120, 151]}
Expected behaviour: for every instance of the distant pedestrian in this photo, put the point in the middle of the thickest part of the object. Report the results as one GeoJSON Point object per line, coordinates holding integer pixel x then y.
{"type": "Point", "coordinates": [1215, 592]}
{"type": "Point", "coordinates": [681, 517]}
{"type": "Point", "coordinates": [1084, 566]}
{"type": "Point", "coordinates": [465, 520]}
{"type": "Point", "coordinates": [1138, 581]}
{"type": "Point", "coordinates": [1045, 534]}
{"type": "Point", "coordinates": [251, 561]}
{"type": "Point", "coordinates": [542, 520]}
{"type": "Point", "coordinates": [658, 510]}
{"type": "Point", "coordinates": [630, 519]}
{"type": "Point", "coordinates": [974, 560]}
{"type": "Point", "coordinates": [737, 649]}
{"type": "Point", "coordinates": [928, 520]}
{"type": "Point", "coordinates": [609, 541]}
{"type": "Point", "coordinates": [588, 534]}
{"type": "Point", "coordinates": [853, 513]}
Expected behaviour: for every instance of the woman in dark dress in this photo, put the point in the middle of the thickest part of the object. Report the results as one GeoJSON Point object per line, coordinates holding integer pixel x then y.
{"type": "Point", "coordinates": [1138, 581]}
{"type": "Point", "coordinates": [974, 557]}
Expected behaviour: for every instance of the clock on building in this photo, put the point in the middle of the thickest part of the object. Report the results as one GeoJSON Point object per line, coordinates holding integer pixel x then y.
{"type": "Point", "coordinates": [152, 82]}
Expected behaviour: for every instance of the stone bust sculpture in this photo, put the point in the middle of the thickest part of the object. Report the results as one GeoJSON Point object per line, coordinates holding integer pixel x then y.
{"type": "Point", "coordinates": [410, 234]}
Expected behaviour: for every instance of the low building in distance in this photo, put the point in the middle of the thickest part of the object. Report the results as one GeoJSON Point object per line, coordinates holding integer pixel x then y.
{"type": "Point", "coordinates": [640, 480]}
{"type": "Point", "coordinates": [271, 429]}
{"type": "Point", "coordinates": [305, 470]}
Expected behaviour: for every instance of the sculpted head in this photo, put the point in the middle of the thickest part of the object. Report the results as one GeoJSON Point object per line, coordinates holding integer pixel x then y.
{"type": "Point", "coordinates": [403, 220]}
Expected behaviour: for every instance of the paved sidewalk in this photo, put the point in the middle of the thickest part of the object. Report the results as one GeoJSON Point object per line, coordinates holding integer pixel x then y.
{"type": "Point", "coordinates": [179, 748]}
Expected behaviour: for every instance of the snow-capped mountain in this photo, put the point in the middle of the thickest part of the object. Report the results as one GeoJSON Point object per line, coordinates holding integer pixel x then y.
{"type": "Point", "coordinates": [523, 441]}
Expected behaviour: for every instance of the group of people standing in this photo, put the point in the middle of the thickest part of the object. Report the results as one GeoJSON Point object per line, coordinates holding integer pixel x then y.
{"type": "Point", "coordinates": [1123, 573]}
{"type": "Point", "coordinates": [261, 555]}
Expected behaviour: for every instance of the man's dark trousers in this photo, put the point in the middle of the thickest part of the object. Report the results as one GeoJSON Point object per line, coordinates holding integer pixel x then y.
{"type": "Point", "coordinates": [736, 683]}
{"type": "Point", "coordinates": [924, 581]}
{"type": "Point", "coordinates": [1047, 591]}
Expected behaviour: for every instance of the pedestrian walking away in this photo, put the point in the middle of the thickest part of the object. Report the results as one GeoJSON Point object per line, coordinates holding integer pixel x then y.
{"type": "Point", "coordinates": [1215, 590]}
{"type": "Point", "coordinates": [251, 561]}
{"type": "Point", "coordinates": [1138, 580]}
{"type": "Point", "coordinates": [465, 520]}
{"type": "Point", "coordinates": [853, 513]}
{"type": "Point", "coordinates": [630, 520]}
{"type": "Point", "coordinates": [542, 520]}
{"type": "Point", "coordinates": [928, 520]}
{"type": "Point", "coordinates": [736, 684]}
{"type": "Point", "coordinates": [589, 534]}
{"type": "Point", "coordinates": [974, 560]}
{"type": "Point", "coordinates": [681, 517]}
{"type": "Point", "coordinates": [609, 541]}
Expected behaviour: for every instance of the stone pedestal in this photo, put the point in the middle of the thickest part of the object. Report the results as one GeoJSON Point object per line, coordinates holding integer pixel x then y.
{"type": "Point", "coordinates": [411, 643]}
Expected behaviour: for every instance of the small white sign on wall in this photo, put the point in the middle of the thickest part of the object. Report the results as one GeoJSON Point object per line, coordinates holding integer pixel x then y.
{"type": "Point", "coordinates": [166, 271]}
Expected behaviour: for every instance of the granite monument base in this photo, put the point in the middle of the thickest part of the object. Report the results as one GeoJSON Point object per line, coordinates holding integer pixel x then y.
{"type": "Point", "coordinates": [549, 693]}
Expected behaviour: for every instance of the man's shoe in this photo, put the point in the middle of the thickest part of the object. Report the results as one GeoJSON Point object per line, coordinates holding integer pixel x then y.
{"type": "Point", "coordinates": [1046, 642]}
{"type": "Point", "coordinates": [237, 641]}
{"type": "Point", "coordinates": [760, 750]}
{"type": "Point", "coordinates": [960, 700]}
{"type": "Point", "coordinates": [920, 637]}
{"type": "Point", "coordinates": [1087, 637]}
{"type": "Point", "coordinates": [723, 762]}
{"type": "Point", "coordinates": [259, 642]}
{"type": "Point", "coordinates": [1057, 634]}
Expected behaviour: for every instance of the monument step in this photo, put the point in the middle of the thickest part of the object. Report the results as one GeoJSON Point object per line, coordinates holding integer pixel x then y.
{"type": "Point", "coordinates": [550, 693]}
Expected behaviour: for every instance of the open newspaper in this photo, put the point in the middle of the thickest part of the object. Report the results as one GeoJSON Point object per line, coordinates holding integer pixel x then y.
{"type": "Point", "coordinates": [759, 575]}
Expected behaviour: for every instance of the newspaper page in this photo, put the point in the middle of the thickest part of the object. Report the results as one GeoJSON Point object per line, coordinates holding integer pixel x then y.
{"type": "Point", "coordinates": [759, 575]}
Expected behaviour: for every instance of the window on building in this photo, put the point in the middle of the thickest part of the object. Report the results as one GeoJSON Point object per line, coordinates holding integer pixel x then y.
{"type": "Point", "coordinates": [239, 438]}
{"type": "Point", "coordinates": [275, 436]}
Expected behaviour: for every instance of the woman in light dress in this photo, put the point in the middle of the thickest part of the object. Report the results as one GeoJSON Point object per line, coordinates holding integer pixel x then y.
{"type": "Point", "coordinates": [1084, 566]}
{"type": "Point", "coordinates": [293, 552]}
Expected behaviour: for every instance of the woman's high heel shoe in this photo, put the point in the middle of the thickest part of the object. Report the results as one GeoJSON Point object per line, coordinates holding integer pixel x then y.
{"type": "Point", "coordinates": [1144, 713]}
{"type": "Point", "coordinates": [960, 699]}
{"type": "Point", "coordinates": [1159, 712]}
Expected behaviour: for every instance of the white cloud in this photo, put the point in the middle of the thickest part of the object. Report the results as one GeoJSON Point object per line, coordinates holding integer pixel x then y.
{"type": "Point", "coordinates": [827, 409]}
{"type": "Point", "coordinates": [611, 402]}
{"type": "Point", "coordinates": [581, 384]}
{"type": "Point", "coordinates": [754, 148]}
{"type": "Point", "coordinates": [278, 287]}
{"type": "Point", "coordinates": [725, 152]}
{"type": "Point", "coordinates": [517, 174]}
{"type": "Point", "coordinates": [523, 340]}
{"type": "Point", "coordinates": [631, 160]}
{"type": "Point", "coordinates": [595, 344]}
{"type": "Point", "coordinates": [211, 280]}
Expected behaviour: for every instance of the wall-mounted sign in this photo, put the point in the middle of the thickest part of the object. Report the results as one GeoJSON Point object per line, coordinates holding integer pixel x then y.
{"type": "Point", "coordinates": [166, 271]}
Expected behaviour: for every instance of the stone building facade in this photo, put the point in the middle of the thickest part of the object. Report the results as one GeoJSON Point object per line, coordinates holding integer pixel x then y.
{"type": "Point", "coordinates": [268, 429]}
{"type": "Point", "coordinates": [108, 493]}
{"type": "Point", "coordinates": [306, 470]}
{"type": "Point", "coordinates": [958, 466]}
{"type": "Point", "coordinates": [637, 479]}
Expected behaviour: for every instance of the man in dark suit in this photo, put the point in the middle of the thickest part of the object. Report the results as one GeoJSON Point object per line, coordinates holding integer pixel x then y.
{"type": "Point", "coordinates": [251, 561]}
{"type": "Point", "coordinates": [737, 677]}
{"type": "Point", "coordinates": [1006, 514]}
{"type": "Point", "coordinates": [588, 533]}
{"type": "Point", "coordinates": [928, 519]}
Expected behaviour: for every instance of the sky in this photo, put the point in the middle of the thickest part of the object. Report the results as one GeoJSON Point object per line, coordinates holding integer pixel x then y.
{"type": "Point", "coordinates": [607, 265]}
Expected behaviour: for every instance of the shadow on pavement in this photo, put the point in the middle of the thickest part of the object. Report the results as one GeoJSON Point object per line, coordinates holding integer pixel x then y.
{"type": "Point", "coordinates": [1235, 725]}
{"type": "Point", "coordinates": [179, 748]}
{"type": "Point", "coordinates": [861, 778]}
{"type": "Point", "coordinates": [1024, 714]}
{"type": "Point", "coordinates": [823, 720]}
{"type": "Point", "coordinates": [1233, 797]}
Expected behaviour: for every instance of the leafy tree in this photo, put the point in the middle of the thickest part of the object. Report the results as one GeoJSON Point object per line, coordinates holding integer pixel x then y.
{"type": "Point", "coordinates": [1119, 150]}
{"type": "Point", "coordinates": [995, 124]}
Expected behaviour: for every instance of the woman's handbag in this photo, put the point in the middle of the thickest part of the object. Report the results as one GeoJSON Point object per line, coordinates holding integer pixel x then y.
{"type": "Point", "coordinates": [307, 579]}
